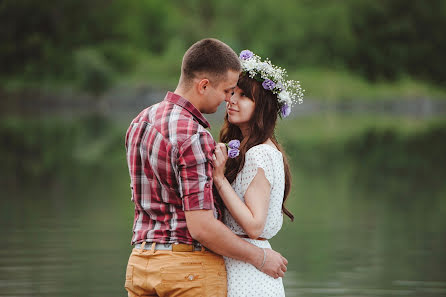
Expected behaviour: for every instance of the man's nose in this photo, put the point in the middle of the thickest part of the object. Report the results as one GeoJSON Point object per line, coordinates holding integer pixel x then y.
{"type": "Point", "coordinates": [230, 99]}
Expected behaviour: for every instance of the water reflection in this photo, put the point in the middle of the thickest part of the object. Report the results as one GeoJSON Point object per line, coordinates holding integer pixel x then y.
{"type": "Point", "coordinates": [358, 231]}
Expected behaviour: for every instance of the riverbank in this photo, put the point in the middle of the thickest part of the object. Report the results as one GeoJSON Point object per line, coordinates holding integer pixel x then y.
{"type": "Point", "coordinates": [126, 99]}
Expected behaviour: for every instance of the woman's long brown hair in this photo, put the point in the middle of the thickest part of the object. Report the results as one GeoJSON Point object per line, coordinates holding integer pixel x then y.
{"type": "Point", "coordinates": [262, 125]}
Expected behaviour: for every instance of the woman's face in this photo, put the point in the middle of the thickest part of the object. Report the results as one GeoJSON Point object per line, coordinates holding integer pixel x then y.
{"type": "Point", "coordinates": [240, 108]}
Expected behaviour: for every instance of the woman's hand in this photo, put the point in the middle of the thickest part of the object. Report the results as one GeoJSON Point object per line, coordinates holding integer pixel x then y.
{"type": "Point", "coordinates": [220, 156]}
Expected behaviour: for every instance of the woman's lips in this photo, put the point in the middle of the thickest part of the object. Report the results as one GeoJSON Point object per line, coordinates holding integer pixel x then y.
{"type": "Point", "coordinates": [233, 110]}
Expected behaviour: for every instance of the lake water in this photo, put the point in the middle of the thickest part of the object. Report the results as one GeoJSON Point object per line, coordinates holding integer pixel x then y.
{"type": "Point", "coordinates": [68, 234]}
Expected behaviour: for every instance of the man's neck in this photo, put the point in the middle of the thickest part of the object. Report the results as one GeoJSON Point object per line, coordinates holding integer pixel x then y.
{"type": "Point", "coordinates": [189, 96]}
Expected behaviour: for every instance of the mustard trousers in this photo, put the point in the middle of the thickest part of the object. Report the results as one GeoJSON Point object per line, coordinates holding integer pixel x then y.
{"type": "Point", "coordinates": [168, 273]}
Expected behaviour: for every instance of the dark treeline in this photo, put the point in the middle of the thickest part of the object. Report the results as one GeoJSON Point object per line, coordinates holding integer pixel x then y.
{"type": "Point", "coordinates": [41, 150]}
{"type": "Point", "coordinates": [381, 39]}
{"type": "Point", "coordinates": [404, 165]}
{"type": "Point", "coordinates": [380, 163]}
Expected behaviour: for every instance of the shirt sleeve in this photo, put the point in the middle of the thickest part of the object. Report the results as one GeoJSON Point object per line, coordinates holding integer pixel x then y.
{"type": "Point", "coordinates": [195, 172]}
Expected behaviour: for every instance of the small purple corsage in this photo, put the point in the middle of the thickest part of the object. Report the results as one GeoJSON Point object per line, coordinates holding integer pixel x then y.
{"type": "Point", "coordinates": [233, 148]}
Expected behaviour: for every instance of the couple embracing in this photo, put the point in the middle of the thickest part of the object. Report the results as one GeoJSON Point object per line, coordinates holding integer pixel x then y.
{"type": "Point", "coordinates": [203, 218]}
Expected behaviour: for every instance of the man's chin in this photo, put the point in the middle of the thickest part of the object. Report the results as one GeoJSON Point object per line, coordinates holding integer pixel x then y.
{"type": "Point", "coordinates": [209, 111]}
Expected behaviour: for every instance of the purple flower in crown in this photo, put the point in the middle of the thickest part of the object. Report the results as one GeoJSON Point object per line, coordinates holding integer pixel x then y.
{"type": "Point", "coordinates": [268, 84]}
{"type": "Point", "coordinates": [246, 55]}
{"type": "Point", "coordinates": [279, 86]}
{"type": "Point", "coordinates": [232, 153]}
{"type": "Point", "coordinates": [285, 110]}
{"type": "Point", "coordinates": [233, 146]}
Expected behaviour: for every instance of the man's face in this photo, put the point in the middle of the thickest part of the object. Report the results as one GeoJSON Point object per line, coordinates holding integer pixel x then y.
{"type": "Point", "coordinates": [223, 92]}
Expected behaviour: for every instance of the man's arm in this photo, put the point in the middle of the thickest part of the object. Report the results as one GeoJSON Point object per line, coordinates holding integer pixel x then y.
{"type": "Point", "coordinates": [214, 235]}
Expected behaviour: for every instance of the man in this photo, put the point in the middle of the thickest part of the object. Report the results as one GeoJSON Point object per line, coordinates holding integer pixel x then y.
{"type": "Point", "coordinates": [169, 154]}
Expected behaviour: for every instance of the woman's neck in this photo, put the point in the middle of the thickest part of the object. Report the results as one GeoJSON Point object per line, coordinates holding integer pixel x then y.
{"type": "Point", "coordinates": [271, 143]}
{"type": "Point", "coordinates": [245, 131]}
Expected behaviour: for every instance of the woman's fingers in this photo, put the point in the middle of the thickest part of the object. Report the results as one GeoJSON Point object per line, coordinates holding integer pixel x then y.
{"type": "Point", "coordinates": [223, 149]}
{"type": "Point", "coordinates": [220, 152]}
{"type": "Point", "coordinates": [218, 157]}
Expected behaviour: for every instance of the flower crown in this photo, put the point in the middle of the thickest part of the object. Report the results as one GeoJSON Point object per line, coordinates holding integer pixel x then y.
{"type": "Point", "coordinates": [273, 78]}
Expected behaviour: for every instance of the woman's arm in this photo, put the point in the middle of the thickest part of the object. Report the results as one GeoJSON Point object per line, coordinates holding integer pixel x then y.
{"type": "Point", "coordinates": [251, 215]}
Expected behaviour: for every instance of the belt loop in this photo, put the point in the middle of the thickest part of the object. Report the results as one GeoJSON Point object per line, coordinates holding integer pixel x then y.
{"type": "Point", "coordinates": [141, 249]}
{"type": "Point", "coordinates": [153, 247]}
{"type": "Point", "coordinates": [203, 249]}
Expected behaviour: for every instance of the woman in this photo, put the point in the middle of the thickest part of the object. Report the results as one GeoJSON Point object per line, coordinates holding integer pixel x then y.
{"type": "Point", "coordinates": [255, 184]}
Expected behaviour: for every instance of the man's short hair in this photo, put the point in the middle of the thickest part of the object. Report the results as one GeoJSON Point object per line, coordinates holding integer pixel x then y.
{"type": "Point", "coordinates": [210, 57]}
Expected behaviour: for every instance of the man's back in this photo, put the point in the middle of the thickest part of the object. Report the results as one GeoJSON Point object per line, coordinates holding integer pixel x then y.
{"type": "Point", "coordinates": [168, 154]}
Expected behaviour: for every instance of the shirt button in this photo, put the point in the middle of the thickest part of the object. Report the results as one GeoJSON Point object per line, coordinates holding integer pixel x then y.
{"type": "Point", "coordinates": [207, 185]}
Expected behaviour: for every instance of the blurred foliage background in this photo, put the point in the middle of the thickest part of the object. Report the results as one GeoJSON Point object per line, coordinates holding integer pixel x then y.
{"type": "Point", "coordinates": [73, 42]}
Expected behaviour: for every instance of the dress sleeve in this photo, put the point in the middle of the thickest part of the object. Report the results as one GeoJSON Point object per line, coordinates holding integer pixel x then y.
{"type": "Point", "coordinates": [260, 157]}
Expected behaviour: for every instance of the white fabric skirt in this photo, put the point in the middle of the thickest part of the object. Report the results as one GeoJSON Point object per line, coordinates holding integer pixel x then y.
{"type": "Point", "coordinates": [245, 280]}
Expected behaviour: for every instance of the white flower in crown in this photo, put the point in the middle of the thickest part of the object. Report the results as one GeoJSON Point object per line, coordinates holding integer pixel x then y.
{"type": "Point", "coordinates": [250, 65]}
{"type": "Point", "coordinates": [273, 78]}
{"type": "Point", "coordinates": [285, 97]}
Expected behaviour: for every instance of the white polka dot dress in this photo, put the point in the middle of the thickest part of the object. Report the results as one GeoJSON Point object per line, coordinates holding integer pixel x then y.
{"type": "Point", "coordinates": [243, 278]}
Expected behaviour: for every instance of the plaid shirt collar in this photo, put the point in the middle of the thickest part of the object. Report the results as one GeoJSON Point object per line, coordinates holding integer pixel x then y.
{"type": "Point", "coordinates": [184, 103]}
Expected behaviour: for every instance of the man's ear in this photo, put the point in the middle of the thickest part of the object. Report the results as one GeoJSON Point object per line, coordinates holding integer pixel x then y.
{"type": "Point", "coordinates": [202, 86]}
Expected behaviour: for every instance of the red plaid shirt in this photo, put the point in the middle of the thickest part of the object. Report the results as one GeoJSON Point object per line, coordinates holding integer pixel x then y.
{"type": "Point", "coordinates": [169, 155]}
